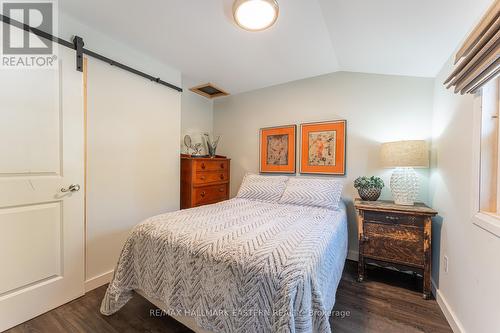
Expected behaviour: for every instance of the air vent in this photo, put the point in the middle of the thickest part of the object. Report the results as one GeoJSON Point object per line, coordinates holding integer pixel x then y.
{"type": "Point", "coordinates": [209, 90]}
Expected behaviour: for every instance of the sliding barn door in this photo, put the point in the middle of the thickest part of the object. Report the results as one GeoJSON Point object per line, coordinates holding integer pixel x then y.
{"type": "Point", "coordinates": [41, 227]}
{"type": "Point", "coordinates": [133, 165]}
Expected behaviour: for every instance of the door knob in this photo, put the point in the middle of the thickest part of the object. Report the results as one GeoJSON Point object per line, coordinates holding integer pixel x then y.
{"type": "Point", "coordinates": [71, 188]}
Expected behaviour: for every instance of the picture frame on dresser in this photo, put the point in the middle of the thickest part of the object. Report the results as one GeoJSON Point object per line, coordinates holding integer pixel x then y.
{"type": "Point", "coordinates": [277, 149]}
{"type": "Point", "coordinates": [323, 147]}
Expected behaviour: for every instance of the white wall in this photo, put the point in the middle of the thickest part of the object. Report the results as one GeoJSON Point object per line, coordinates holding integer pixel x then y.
{"type": "Point", "coordinates": [196, 115]}
{"type": "Point", "coordinates": [378, 108]}
{"type": "Point", "coordinates": [133, 159]}
{"type": "Point", "coordinates": [471, 288]}
{"type": "Point", "coordinates": [99, 42]}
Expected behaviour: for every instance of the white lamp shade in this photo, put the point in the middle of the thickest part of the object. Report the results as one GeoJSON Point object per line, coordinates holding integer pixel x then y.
{"type": "Point", "coordinates": [411, 153]}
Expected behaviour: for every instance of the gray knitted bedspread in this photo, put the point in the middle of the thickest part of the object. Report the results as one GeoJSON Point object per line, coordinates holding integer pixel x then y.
{"type": "Point", "coordinates": [237, 266]}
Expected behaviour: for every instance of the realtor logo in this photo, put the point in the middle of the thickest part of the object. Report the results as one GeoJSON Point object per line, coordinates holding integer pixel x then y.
{"type": "Point", "coordinates": [21, 48]}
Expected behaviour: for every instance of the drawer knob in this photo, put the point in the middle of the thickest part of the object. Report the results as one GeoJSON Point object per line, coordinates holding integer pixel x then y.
{"type": "Point", "coordinates": [222, 165]}
{"type": "Point", "coordinates": [202, 194]}
{"type": "Point", "coordinates": [203, 165]}
{"type": "Point", "coordinates": [202, 177]}
{"type": "Point", "coordinates": [221, 176]}
{"type": "Point", "coordinates": [221, 189]}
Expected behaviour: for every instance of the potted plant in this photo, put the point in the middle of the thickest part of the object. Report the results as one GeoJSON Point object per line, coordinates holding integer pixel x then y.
{"type": "Point", "coordinates": [369, 188]}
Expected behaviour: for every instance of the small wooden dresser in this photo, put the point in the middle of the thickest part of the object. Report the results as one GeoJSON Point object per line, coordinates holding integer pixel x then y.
{"type": "Point", "coordinates": [204, 180]}
{"type": "Point", "coordinates": [395, 236]}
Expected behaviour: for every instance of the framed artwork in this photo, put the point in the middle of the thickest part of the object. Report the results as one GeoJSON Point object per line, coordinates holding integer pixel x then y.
{"type": "Point", "coordinates": [277, 149]}
{"type": "Point", "coordinates": [323, 147]}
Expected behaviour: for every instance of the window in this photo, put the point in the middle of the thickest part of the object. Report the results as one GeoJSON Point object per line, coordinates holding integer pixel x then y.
{"type": "Point", "coordinates": [489, 194]}
{"type": "Point", "coordinates": [489, 161]}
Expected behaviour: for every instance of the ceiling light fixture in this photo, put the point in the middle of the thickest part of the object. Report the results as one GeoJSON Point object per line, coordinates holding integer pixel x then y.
{"type": "Point", "coordinates": [255, 15]}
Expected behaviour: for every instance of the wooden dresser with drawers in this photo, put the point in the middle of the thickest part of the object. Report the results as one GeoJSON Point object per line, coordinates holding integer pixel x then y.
{"type": "Point", "coordinates": [395, 236]}
{"type": "Point", "coordinates": [204, 180]}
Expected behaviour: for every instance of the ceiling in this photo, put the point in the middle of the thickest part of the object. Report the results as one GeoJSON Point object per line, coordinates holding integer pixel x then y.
{"type": "Point", "coordinates": [310, 38]}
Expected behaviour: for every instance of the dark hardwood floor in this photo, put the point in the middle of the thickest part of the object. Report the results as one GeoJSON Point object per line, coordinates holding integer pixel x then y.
{"type": "Point", "coordinates": [386, 302]}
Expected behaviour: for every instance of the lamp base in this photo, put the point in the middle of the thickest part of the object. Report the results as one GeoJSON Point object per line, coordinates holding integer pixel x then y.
{"type": "Point", "coordinates": [404, 186]}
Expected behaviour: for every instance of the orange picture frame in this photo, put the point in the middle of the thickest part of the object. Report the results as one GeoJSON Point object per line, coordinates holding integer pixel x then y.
{"type": "Point", "coordinates": [277, 149]}
{"type": "Point", "coordinates": [323, 147]}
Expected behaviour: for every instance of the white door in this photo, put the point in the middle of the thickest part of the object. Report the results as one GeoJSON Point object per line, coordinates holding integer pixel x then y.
{"type": "Point", "coordinates": [41, 152]}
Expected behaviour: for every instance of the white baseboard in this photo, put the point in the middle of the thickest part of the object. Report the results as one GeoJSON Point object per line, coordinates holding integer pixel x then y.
{"type": "Point", "coordinates": [455, 324]}
{"type": "Point", "coordinates": [97, 281]}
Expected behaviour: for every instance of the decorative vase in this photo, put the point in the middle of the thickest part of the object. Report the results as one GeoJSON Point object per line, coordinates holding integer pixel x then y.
{"type": "Point", "coordinates": [369, 194]}
{"type": "Point", "coordinates": [211, 145]}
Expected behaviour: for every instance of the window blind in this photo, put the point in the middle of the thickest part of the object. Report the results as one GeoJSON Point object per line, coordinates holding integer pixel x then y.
{"type": "Point", "coordinates": [478, 59]}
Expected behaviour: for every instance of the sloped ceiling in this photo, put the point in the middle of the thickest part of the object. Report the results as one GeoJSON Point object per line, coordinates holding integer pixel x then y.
{"type": "Point", "coordinates": [310, 38]}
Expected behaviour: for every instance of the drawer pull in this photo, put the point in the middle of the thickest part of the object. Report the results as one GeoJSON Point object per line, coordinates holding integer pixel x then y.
{"type": "Point", "coordinates": [203, 166]}
{"type": "Point", "coordinates": [392, 218]}
{"type": "Point", "coordinates": [202, 178]}
{"type": "Point", "coordinates": [221, 176]}
{"type": "Point", "coordinates": [222, 165]}
{"type": "Point", "coordinates": [364, 238]}
{"type": "Point", "coordinates": [202, 194]}
{"type": "Point", "coordinates": [221, 189]}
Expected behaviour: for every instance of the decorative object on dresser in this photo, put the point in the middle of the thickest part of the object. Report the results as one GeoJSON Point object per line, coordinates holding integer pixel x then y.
{"type": "Point", "coordinates": [204, 180]}
{"type": "Point", "coordinates": [211, 144]}
{"type": "Point", "coordinates": [195, 148]}
{"type": "Point", "coordinates": [369, 188]}
{"type": "Point", "coordinates": [323, 147]}
{"type": "Point", "coordinates": [395, 236]}
{"type": "Point", "coordinates": [277, 149]}
{"type": "Point", "coordinates": [404, 156]}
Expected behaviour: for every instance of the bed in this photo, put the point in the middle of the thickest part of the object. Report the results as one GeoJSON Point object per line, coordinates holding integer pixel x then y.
{"type": "Point", "coordinates": [241, 265]}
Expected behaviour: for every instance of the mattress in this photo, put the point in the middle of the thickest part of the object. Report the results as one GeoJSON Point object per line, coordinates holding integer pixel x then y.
{"type": "Point", "coordinates": [237, 266]}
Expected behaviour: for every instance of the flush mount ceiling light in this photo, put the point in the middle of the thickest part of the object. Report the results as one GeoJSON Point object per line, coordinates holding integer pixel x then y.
{"type": "Point", "coordinates": [255, 15]}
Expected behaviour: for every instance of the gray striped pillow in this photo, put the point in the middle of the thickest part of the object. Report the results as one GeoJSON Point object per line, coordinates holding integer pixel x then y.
{"type": "Point", "coordinates": [263, 188]}
{"type": "Point", "coordinates": [318, 192]}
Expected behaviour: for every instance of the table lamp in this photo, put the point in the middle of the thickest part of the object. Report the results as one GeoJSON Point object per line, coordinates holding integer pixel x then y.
{"type": "Point", "coordinates": [405, 156]}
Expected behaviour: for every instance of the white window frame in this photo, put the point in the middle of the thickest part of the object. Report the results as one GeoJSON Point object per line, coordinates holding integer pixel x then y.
{"type": "Point", "coordinates": [487, 221]}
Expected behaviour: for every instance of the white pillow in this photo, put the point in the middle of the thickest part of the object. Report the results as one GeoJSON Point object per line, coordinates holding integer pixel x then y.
{"type": "Point", "coordinates": [318, 192]}
{"type": "Point", "coordinates": [264, 188]}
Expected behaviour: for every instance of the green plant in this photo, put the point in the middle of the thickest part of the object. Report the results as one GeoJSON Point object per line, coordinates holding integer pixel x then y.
{"type": "Point", "coordinates": [368, 182]}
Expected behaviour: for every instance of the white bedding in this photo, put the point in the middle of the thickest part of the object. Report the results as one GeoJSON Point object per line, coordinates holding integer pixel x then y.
{"type": "Point", "coordinates": [237, 266]}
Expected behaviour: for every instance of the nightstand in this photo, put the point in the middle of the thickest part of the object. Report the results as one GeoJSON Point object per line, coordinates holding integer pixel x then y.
{"type": "Point", "coordinates": [395, 236]}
